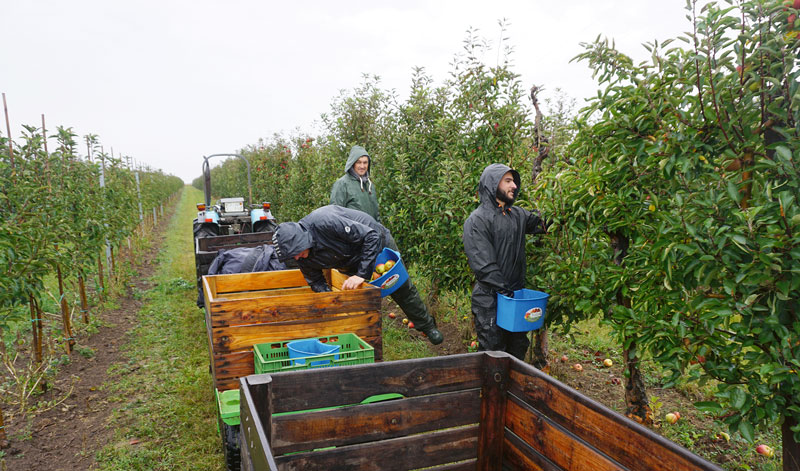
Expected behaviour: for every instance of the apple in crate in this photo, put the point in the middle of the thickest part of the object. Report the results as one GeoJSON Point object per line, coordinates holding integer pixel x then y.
{"type": "Point", "coordinates": [388, 264]}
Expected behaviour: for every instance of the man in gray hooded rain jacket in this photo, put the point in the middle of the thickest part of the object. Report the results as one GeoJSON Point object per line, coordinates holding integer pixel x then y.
{"type": "Point", "coordinates": [354, 189]}
{"type": "Point", "coordinates": [494, 241]}
{"type": "Point", "coordinates": [350, 241]}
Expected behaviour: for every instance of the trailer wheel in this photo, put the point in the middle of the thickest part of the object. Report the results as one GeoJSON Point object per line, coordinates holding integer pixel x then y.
{"type": "Point", "coordinates": [230, 443]}
{"type": "Point", "coordinates": [204, 230]}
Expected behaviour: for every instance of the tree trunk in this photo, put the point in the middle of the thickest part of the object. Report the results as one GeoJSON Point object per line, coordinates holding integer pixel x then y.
{"type": "Point", "coordinates": [540, 342]}
{"type": "Point", "coordinates": [636, 402]}
{"type": "Point", "coordinates": [540, 350]}
{"type": "Point", "coordinates": [791, 449]}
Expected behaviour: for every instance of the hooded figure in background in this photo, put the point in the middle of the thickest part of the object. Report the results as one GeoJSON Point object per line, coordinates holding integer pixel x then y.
{"type": "Point", "coordinates": [354, 189]}
{"type": "Point", "coordinates": [350, 241]}
{"type": "Point", "coordinates": [494, 241]}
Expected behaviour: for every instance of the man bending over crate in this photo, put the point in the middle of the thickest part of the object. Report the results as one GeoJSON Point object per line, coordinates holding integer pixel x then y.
{"type": "Point", "coordinates": [350, 241]}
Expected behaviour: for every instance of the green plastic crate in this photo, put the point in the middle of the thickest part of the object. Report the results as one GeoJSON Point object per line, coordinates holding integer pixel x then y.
{"type": "Point", "coordinates": [228, 404]}
{"type": "Point", "coordinates": [274, 357]}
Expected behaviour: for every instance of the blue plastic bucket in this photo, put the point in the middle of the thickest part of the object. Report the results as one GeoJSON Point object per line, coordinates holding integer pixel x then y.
{"type": "Point", "coordinates": [301, 349]}
{"type": "Point", "coordinates": [389, 281]}
{"type": "Point", "coordinates": [524, 312]}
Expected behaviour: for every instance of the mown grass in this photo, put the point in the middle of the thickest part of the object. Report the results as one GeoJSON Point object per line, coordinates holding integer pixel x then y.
{"type": "Point", "coordinates": [166, 418]}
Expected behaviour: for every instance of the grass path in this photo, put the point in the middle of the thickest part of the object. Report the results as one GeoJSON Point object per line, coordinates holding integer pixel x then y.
{"type": "Point", "coordinates": [167, 416]}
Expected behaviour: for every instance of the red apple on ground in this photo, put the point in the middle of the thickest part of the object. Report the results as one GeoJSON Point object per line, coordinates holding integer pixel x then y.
{"type": "Point", "coordinates": [410, 325]}
{"type": "Point", "coordinates": [564, 359]}
{"type": "Point", "coordinates": [577, 367]}
{"type": "Point", "coordinates": [392, 315]}
{"type": "Point", "coordinates": [474, 344]}
{"type": "Point", "coordinates": [765, 450]}
{"type": "Point", "coordinates": [671, 418]}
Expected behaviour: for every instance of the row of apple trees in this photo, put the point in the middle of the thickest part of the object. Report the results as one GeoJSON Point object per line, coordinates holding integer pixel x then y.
{"type": "Point", "coordinates": [675, 202]}
{"type": "Point", "coordinates": [681, 213]}
{"type": "Point", "coordinates": [56, 221]}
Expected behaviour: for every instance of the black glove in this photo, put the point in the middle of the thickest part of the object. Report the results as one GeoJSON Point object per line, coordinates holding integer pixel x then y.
{"type": "Point", "coordinates": [506, 292]}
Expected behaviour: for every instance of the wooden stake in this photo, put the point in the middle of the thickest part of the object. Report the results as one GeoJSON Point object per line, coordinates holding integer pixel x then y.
{"type": "Point", "coordinates": [8, 130]}
{"type": "Point", "coordinates": [113, 265]}
{"type": "Point", "coordinates": [2, 427]}
{"type": "Point", "coordinates": [84, 303]}
{"type": "Point", "coordinates": [64, 310]}
{"type": "Point", "coordinates": [35, 321]}
{"type": "Point", "coordinates": [46, 155]}
{"type": "Point", "coordinates": [100, 274]}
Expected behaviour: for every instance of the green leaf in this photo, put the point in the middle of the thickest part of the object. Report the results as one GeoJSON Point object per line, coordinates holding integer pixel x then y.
{"type": "Point", "coordinates": [747, 431]}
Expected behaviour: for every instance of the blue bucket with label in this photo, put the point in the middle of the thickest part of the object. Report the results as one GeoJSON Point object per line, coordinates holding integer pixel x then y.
{"type": "Point", "coordinates": [392, 278]}
{"type": "Point", "coordinates": [522, 313]}
{"type": "Point", "coordinates": [301, 349]}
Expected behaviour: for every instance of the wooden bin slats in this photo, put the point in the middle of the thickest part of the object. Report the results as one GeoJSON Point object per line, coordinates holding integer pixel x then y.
{"type": "Point", "coordinates": [246, 309]}
{"type": "Point", "coordinates": [370, 422]}
{"type": "Point", "coordinates": [292, 305]}
{"type": "Point", "coordinates": [623, 441]}
{"type": "Point", "coordinates": [520, 456]}
{"type": "Point", "coordinates": [543, 426]}
{"type": "Point", "coordinates": [394, 454]}
{"type": "Point", "coordinates": [560, 447]}
{"type": "Point", "coordinates": [241, 337]}
{"type": "Point", "coordinates": [408, 377]}
{"type": "Point", "coordinates": [219, 285]}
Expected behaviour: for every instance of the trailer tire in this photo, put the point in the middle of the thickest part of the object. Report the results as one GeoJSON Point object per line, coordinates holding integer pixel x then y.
{"type": "Point", "coordinates": [231, 445]}
{"type": "Point", "coordinates": [204, 230]}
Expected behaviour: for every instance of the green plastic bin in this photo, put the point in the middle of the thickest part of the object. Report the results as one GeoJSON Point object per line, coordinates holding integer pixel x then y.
{"type": "Point", "coordinates": [228, 404]}
{"type": "Point", "coordinates": [274, 357]}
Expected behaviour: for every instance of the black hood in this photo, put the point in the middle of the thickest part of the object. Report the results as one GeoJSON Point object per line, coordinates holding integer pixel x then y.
{"type": "Point", "coordinates": [290, 239]}
{"type": "Point", "coordinates": [490, 180]}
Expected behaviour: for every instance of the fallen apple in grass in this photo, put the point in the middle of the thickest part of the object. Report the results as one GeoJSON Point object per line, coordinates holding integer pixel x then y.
{"type": "Point", "coordinates": [405, 321]}
{"type": "Point", "coordinates": [724, 436]}
{"type": "Point", "coordinates": [392, 315]}
{"type": "Point", "coordinates": [577, 367]}
{"type": "Point", "coordinates": [765, 450]}
{"type": "Point", "coordinates": [410, 325]}
{"type": "Point", "coordinates": [671, 418]}
{"type": "Point", "coordinates": [607, 362]}
{"type": "Point", "coordinates": [564, 359]}
{"type": "Point", "coordinates": [474, 344]}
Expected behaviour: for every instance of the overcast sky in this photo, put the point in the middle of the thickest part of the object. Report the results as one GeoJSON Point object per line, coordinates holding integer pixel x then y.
{"type": "Point", "coordinates": [167, 82]}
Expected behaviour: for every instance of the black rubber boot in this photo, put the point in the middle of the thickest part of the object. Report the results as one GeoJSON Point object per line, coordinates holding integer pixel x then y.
{"type": "Point", "coordinates": [434, 335]}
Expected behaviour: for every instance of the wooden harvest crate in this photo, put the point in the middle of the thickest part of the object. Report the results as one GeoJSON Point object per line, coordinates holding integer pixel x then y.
{"type": "Point", "coordinates": [251, 308]}
{"type": "Point", "coordinates": [477, 411]}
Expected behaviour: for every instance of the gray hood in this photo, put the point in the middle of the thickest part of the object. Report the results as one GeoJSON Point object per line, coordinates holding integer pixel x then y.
{"type": "Point", "coordinates": [356, 152]}
{"type": "Point", "coordinates": [290, 239]}
{"type": "Point", "coordinates": [490, 180]}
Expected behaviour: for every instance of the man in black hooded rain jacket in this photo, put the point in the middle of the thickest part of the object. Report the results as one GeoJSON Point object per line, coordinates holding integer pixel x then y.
{"type": "Point", "coordinates": [350, 241]}
{"type": "Point", "coordinates": [494, 241]}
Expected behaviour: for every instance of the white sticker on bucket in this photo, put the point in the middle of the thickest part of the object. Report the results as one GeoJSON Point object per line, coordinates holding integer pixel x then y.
{"type": "Point", "coordinates": [390, 281]}
{"type": "Point", "coordinates": [533, 314]}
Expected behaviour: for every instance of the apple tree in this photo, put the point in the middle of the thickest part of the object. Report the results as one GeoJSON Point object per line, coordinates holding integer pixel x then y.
{"type": "Point", "coordinates": [682, 210]}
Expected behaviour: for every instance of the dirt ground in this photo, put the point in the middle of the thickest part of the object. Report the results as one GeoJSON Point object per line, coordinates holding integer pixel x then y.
{"type": "Point", "coordinates": [67, 436]}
